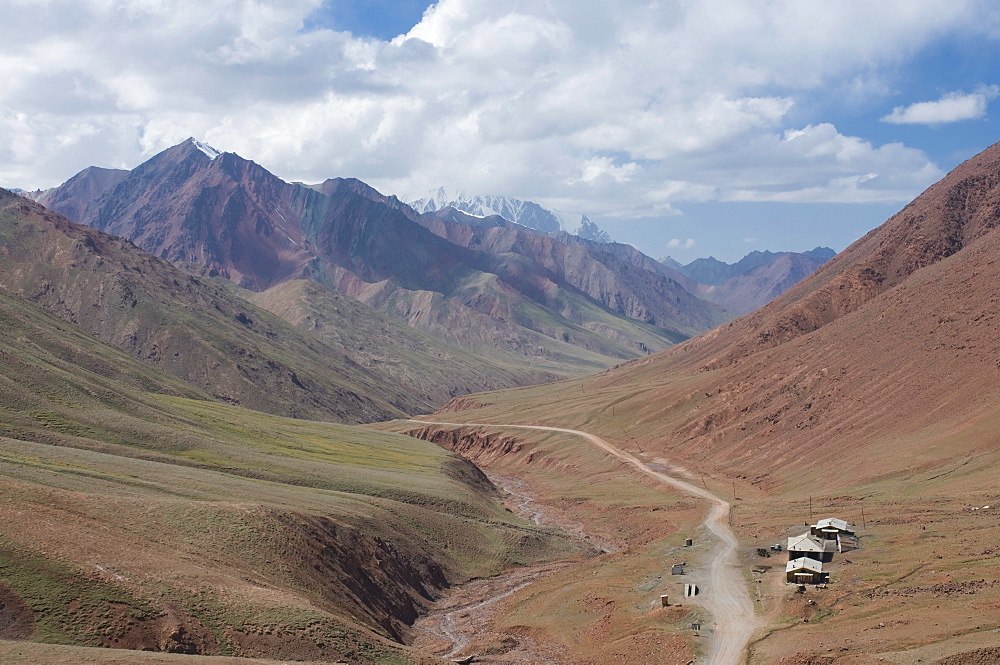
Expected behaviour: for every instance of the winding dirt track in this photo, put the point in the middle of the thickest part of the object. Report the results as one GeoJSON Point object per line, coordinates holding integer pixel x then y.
{"type": "Point", "coordinates": [725, 594]}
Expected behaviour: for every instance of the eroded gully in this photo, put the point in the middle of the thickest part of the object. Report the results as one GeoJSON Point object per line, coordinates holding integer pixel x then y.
{"type": "Point", "coordinates": [725, 592]}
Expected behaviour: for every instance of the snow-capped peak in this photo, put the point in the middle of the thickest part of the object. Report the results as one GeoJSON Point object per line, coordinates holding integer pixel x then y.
{"type": "Point", "coordinates": [209, 151]}
{"type": "Point", "coordinates": [526, 213]}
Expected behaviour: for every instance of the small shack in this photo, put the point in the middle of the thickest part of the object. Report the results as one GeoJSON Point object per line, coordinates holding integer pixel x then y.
{"type": "Point", "coordinates": [805, 571]}
{"type": "Point", "coordinates": [830, 528]}
{"type": "Point", "coordinates": [809, 546]}
{"type": "Point", "coordinates": [833, 529]}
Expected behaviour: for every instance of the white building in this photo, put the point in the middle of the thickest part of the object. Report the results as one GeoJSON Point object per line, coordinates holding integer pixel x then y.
{"type": "Point", "coordinates": [810, 547]}
{"type": "Point", "coordinates": [805, 571]}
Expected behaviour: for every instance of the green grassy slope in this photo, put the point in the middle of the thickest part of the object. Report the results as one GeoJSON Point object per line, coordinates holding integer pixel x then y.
{"type": "Point", "coordinates": [137, 513]}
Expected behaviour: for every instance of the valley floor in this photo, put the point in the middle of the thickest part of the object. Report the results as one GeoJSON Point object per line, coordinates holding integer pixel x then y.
{"type": "Point", "coordinates": [725, 594]}
{"type": "Point", "coordinates": [922, 587]}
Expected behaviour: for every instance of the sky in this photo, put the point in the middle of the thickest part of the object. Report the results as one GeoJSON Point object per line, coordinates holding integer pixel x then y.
{"type": "Point", "coordinates": [685, 128]}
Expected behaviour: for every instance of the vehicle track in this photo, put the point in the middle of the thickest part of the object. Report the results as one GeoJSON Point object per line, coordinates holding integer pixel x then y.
{"type": "Point", "coordinates": [725, 592]}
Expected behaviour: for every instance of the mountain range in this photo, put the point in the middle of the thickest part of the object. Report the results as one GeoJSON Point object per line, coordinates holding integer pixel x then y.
{"type": "Point", "coordinates": [859, 351]}
{"type": "Point", "coordinates": [751, 282]}
{"type": "Point", "coordinates": [142, 512]}
{"type": "Point", "coordinates": [220, 216]}
{"type": "Point", "coordinates": [184, 325]}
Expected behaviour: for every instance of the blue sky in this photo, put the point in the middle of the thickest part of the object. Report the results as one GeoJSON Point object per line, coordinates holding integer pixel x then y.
{"type": "Point", "coordinates": [689, 129]}
{"type": "Point", "coordinates": [382, 19]}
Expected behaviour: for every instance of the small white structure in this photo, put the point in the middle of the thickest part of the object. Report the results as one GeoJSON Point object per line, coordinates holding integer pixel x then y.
{"type": "Point", "coordinates": [810, 547]}
{"type": "Point", "coordinates": [833, 529]}
{"type": "Point", "coordinates": [805, 571]}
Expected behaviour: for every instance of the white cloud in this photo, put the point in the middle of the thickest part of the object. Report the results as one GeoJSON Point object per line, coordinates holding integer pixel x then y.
{"type": "Point", "coordinates": [818, 164]}
{"type": "Point", "coordinates": [677, 243]}
{"type": "Point", "coordinates": [625, 110]}
{"type": "Point", "coordinates": [604, 169]}
{"type": "Point", "coordinates": [953, 107]}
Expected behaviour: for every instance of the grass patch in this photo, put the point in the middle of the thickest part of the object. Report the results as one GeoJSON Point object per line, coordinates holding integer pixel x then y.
{"type": "Point", "coordinates": [67, 604]}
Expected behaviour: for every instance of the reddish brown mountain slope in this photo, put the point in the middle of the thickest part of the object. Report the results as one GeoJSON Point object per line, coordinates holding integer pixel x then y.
{"type": "Point", "coordinates": [885, 359]}
{"type": "Point", "coordinates": [619, 277]}
{"type": "Point", "coordinates": [869, 392]}
{"type": "Point", "coordinates": [225, 214]}
{"type": "Point", "coordinates": [74, 197]}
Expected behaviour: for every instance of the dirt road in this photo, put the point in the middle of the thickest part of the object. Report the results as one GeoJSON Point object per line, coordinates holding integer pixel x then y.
{"type": "Point", "coordinates": [725, 594]}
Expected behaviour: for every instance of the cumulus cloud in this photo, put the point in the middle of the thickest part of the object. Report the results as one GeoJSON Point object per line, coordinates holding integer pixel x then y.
{"type": "Point", "coordinates": [627, 110]}
{"type": "Point", "coordinates": [677, 243]}
{"type": "Point", "coordinates": [828, 167]}
{"type": "Point", "coordinates": [953, 107]}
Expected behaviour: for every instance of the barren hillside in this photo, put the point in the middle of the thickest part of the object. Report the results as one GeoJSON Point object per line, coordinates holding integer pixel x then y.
{"type": "Point", "coordinates": [872, 387]}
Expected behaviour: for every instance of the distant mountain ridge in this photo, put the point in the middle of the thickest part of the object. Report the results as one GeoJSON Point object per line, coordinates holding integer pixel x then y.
{"type": "Point", "coordinates": [752, 281]}
{"type": "Point", "coordinates": [618, 276]}
{"type": "Point", "coordinates": [525, 213]}
{"type": "Point", "coordinates": [713, 272]}
{"type": "Point", "coordinates": [219, 215]}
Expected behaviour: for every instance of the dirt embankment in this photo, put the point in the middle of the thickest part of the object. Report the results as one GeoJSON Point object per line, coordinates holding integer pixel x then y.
{"type": "Point", "coordinates": [987, 656]}
{"type": "Point", "coordinates": [462, 403]}
{"type": "Point", "coordinates": [171, 631]}
{"type": "Point", "coordinates": [17, 621]}
{"type": "Point", "coordinates": [472, 443]}
{"type": "Point", "coordinates": [377, 582]}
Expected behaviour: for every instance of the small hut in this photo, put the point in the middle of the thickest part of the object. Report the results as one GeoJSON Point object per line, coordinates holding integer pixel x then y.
{"type": "Point", "coordinates": [805, 571]}
{"type": "Point", "coordinates": [833, 529]}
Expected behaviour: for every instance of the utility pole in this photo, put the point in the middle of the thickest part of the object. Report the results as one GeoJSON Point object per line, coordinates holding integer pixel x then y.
{"type": "Point", "coordinates": [863, 523]}
{"type": "Point", "coordinates": [810, 509]}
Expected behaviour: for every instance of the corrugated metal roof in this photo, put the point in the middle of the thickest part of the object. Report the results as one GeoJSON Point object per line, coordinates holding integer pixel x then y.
{"type": "Point", "coordinates": [833, 522]}
{"type": "Point", "coordinates": [808, 543]}
{"type": "Point", "coordinates": [803, 563]}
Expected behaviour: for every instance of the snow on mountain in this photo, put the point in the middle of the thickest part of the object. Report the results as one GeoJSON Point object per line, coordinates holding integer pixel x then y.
{"type": "Point", "coordinates": [209, 151]}
{"type": "Point", "coordinates": [590, 231]}
{"type": "Point", "coordinates": [525, 213]}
